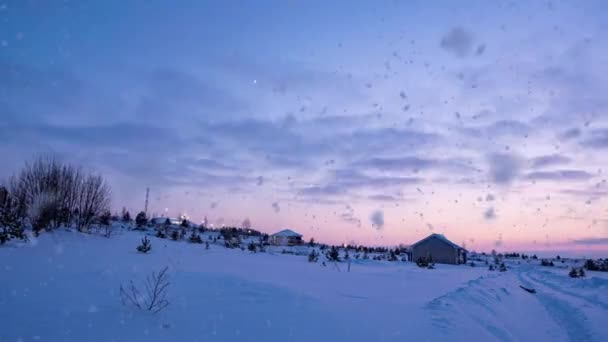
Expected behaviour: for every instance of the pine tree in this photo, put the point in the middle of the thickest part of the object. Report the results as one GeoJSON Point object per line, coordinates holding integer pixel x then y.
{"type": "Point", "coordinates": [141, 219]}
{"type": "Point", "coordinates": [313, 256]}
{"type": "Point", "coordinates": [145, 246]}
{"type": "Point", "coordinates": [581, 273]}
{"type": "Point", "coordinates": [10, 223]}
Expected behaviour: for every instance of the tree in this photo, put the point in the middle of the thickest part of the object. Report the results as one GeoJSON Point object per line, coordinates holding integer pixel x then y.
{"type": "Point", "coordinates": [126, 216]}
{"type": "Point", "coordinates": [10, 223]}
{"type": "Point", "coordinates": [333, 254]}
{"type": "Point", "coordinates": [590, 265]}
{"type": "Point", "coordinates": [581, 273]}
{"type": "Point", "coordinates": [141, 219]}
{"type": "Point", "coordinates": [311, 243]}
{"type": "Point", "coordinates": [185, 223]}
{"type": "Point", "coordinates": [573, 273]}
{"type": "Point", "coordinates": [313, 256]}
{"type": "Point", "coordinates": [251, 247]}
{"type": "Point", "coordinates": [145, 246]}
{"type": "Point", "coordinates": [105, 218]}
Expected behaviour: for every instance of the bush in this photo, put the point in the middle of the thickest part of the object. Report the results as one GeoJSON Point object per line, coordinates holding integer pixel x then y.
{"type": "Point", "coordinates": [174, 235]}
{"type": "Point", "coordinates": [333, 254]}
{"type": "Point", "coordinates": [195, 238]}
{"type": "Point", "coordinates": [546, 262]}
{"type": "Point", "coordinates": [424, 262]}
{"type": "Point", "coordinates": [10, 223]}
{"type": "Point", "coordinates": [50, 194]}
{"type": "Point", "coordinates": [491, 268]}
{"type": "Point", "coordinates": [313, 256]}
{"type": "Point", "coordinates": [154, 298]}
{"type": "Point", "coordinates": [503, 267]}
{"type": "Point", "coordinates": [145, 246]}
{"type": "Point", "coordinates": [581, 273]}
{"type": "Point", "coordinates": [573, 273]}
{"type": "Point", "coordinates": [251, 247]}
{"type": "Point", "coordinates": [590, 265]}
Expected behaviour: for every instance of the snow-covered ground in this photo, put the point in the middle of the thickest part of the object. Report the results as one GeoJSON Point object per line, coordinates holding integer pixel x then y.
{"type": "Point", "coordinates": [64, 286]}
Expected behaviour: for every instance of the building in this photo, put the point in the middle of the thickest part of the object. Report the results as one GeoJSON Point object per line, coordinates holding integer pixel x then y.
{"type": "Point", "coordinates": [159, 221]}
{"type": "Point", "coordinates": [285, 237]}
{"type": "Point", "coordinates": [438, 248]}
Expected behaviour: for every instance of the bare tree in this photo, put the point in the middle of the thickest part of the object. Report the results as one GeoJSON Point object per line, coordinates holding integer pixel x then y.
{"type": "Point", "coordinates": [154, 297]}
{"type": "Point", "coordinates": [50, 194]}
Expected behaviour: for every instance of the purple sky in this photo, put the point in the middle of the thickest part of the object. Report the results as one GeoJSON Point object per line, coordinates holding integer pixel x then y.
{"type": "Point", "coordinates": [371, 122]}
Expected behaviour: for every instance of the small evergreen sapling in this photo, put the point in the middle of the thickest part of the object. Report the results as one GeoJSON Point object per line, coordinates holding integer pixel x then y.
{"type": "Point", "coordinates": [145, 246]}
{"type": "Point", "coordinates": [313, 256]}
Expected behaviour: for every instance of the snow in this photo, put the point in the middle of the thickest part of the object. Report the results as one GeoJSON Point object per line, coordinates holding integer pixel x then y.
{"type": "Point", "coordinates": [64, 286]}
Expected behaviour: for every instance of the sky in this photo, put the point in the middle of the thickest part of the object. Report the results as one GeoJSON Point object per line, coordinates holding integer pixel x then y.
{"type": "Point", "coordinates": [369, 122]}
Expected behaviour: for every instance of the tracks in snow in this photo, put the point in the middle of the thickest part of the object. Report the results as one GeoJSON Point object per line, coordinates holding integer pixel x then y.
{"type": "Point", "coordinates": [562, 305]}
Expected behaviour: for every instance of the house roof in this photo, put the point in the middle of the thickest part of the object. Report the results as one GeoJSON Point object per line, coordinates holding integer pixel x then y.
{"type": "Point", "coordinates": [287, 233]}
{"type": "Point", "coordinates": [438, 236]}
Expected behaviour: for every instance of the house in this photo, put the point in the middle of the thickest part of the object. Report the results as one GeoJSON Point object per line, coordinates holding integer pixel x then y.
{"type": "Point", "coordinates": [285, 237]}
{"type": "Point", "coordinates": [159, 221]}
{"type": "Point", "coordinates": [439, 249]}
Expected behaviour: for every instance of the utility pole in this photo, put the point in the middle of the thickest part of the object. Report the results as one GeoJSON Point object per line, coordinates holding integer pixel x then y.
{"type": "Point", "coordinates": [146, 206]}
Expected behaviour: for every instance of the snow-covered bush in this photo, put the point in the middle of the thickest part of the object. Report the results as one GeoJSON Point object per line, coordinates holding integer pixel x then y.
{"type": "Point", "coordinates": [154, 296]}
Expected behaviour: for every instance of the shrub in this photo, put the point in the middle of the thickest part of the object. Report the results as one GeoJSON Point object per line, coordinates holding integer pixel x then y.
{"type": "Point", "coordinates": [333, 254]}
{"type": "Point", "coordinates": [545, 262]}
{"type": "Point", "coordinates": [581, 273]}
{"type": "Point", "coordinates": [160, 234]}
{"type": "Point", "coordinates": [313, 256]}
{"type": "Point", "coordinates": [10, 224]}
{"type": "Point", "coordinates": [503, 267]}
{"type": "Point", "coordinates": [145, 246]}
{"type": "Point", "coordinates": [174, 235]}
{"type": "Point", "coordinates": [424, 262]}
{"type": "Point", "coordinates": [154, 297]}
{"type": "Point", "coordinates": [590, 265]}
{"type": "Point", "coordinates": [491, 268]}
{"type": "Point", "coordinates": [195, 238]}
{"type": "Point", "coordinates": [251, 247]}
{"type": "Point", "coordinates": [573, 273]}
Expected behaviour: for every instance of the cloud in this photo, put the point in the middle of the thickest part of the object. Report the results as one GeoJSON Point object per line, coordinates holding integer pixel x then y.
{"type": "Point", "coordinates": [598, 139]}
{"type": "Point", "coordinates": [276, 207]}
{"type": "Point", "coordinates": [569, 134]}
{"type": "Point", "coordinates": [259, 180]}
{"type": "Point", "coordinates": [549, 160]}
{"type": "Point", "coordinates": [591, 241]}
{"type": "Point", "coordinates": [504, 168]}
{"type": "Point", "coordinates": [349, 216]}
{"type": "Point", "coordinates": [458, 41]}
{"type": "Point", "coordinates": [489, 214]}
{"type": "Point", "coordinates": [560, 175]}
{"type": "Point", "coordinates": [384, 198]}
{"type": "Point", "coordinates": [377, 219]}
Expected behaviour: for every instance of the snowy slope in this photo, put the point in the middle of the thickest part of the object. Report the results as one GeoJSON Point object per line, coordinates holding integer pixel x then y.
{"type": "Point", "coordinates": [64, 286]}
